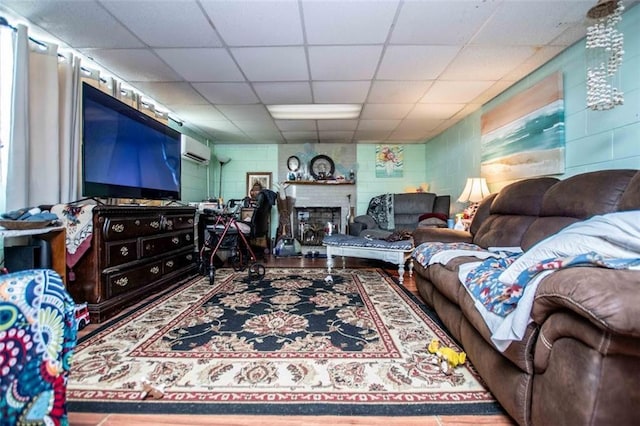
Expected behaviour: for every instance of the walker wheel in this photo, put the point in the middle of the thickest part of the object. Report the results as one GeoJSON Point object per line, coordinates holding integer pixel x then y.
{"type": "Point", "coordinates": [256, 271]}
{"type": "Point", "coordinates": [212, 275]}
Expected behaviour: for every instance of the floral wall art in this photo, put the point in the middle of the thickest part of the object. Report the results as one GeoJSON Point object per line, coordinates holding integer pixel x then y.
{"type": "Point", "coordinates": [389, 161]}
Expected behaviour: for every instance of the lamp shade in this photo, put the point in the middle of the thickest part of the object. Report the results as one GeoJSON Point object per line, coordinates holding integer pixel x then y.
{"type": "Point", "coordinates": [223, 159]}
{"type": "Point", "coordinates": [474, 191]}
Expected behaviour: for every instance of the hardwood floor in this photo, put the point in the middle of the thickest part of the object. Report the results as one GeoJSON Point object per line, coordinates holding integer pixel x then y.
{"type": "Point", "coordinates": [105, 419]}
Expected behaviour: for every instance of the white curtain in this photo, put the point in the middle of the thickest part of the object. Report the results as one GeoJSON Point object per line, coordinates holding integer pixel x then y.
{"type": "Point", "coordinates": [44, 144]}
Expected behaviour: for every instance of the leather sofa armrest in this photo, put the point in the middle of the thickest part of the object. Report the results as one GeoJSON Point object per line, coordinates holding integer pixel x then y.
{"type": "Point", "coordinates": [608, 298]}
{"type": "Point", "coordinates": [442, 235]}
{"type": "Point", "coordinates": [367, 221]}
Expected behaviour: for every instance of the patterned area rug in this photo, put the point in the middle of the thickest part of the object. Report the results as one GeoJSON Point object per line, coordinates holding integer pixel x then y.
{"type": "Point", "coordinates": [292, 343]}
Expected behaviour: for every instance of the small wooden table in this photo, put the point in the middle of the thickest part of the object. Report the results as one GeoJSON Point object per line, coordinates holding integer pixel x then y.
{"type": "Point", "coordinates": [348, 246]}
{"type": "Point", "coordinates": [56, 236]}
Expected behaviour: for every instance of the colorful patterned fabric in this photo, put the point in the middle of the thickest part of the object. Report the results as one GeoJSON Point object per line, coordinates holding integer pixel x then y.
{"type": "Point", "coordinates": [483, 284]}
{"type": "Point", "coordinates": [424, 252]}
{"type": "Point", "coordinates": [37, 338]}
{"type": "Point", "coordinates": [502, 298]}
{"type": "Point", "coordinates": [78, 221]}
{"type": "Point", "coordinates": [381, 209]}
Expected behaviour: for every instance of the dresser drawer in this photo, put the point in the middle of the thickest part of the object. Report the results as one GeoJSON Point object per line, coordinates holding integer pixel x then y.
{"type": "Point", "coordinates": [152, 246]}
{"type": "Point", "coordinates": [129, 279]}
{"type": "Point", "coordinates": [178, 222]}
{"type": "Point", "coordinates": [178, 261]}
{"type": "Point", "coordinates": [119, 252]}
{"type": "Point", "coordinates": [121, 228]}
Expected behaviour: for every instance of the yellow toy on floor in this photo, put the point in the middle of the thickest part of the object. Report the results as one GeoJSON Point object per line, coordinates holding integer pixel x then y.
{"type": "Point", "coordinates": [446, 358]}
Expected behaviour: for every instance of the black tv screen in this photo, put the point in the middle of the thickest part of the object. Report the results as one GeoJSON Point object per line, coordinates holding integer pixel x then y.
{"type": "Point", "coordinates": [125, 153]}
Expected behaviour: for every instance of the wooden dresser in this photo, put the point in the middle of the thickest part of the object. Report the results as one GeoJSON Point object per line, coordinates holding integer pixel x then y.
{"type": "Point", "coordinates": [135, 252]}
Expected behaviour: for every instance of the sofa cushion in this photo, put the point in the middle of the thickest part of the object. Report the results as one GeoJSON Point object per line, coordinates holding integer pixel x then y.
{"type": "Point", "coordinates": [409, 207]}
{"type": "Point", "coordinates": [631, 198]}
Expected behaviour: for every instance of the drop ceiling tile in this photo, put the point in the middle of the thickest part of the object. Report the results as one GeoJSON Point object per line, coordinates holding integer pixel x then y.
{"type": "Point", "coordinates": [493, 91]}
{"type": "Point", "coordinates": [385, 111]}
{"type": "Point", "coordinates": [198, 113]}
{"type": "Point", "coordinates": [415, 62]}
{"type": "Point", "coordinates": [227, 93]}
{"type": "Point", "coordinates": [245, 112]}
{"type": "Point", "coordinates": [434, 111]}
{"type": "Point", "coordinates": [542, 56]}
{"type": "Point", "coordinates": [256, 23]}
{"type": "Point", "coordinates": [486, 62]}
{"type": "Point", "coordinates": [530, 23]}
{"type": "Point", "coordinates": [340, 91]}
{"type": "Point", "coordinates": [379, 135]}
{"type": "Point", "coordinates": [272, 63]}
{"type": "Point", "coordinates": [414, 130]}
{"type": "Point", "coordinates": [455, 91]}
{"type": "Point", "coordinates": [300, 136]}
{"type": "Point", "coordinates": [343, 62]}
{"type": "Point", "coordinates": [440, 22]}
{"type": "Point", "coordinates": [79, 24]}
{"type": "Point", "coordinates": [202, 64]}
{"type": "Point", "coordinates": [333, 22]}
{"type": "Point", "coordinates": [378, 124]}
{"type": "Point", "coordinates": [133, 64]}
{"type": "Point", "coordinates": [284, 93]}
{"type": "Point", "coordinates": [335, 136]}
{"type": "Point", "coordinates": [256, 126]}
{"type": "Point", "coordinates": [295, 125]}
{"type": "Point", "coordinates": [337, 124]}
{"type": "Point", "coordinates": [398, 92]}
{"type": "Point", "coordinates": [150, 23]}
{"type": "Point", "coordinates": [220, 126]}
{"type": "Point", "coordinates": [170, 93]}
{"type": "Point", "coordinates": [265, 137]}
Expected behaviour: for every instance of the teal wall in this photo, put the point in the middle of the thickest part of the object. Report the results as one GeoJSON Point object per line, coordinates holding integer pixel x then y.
{"type": "Point", "coordinates": [368, 185]}
{"type": "Point", "coordinates": [595, 140]}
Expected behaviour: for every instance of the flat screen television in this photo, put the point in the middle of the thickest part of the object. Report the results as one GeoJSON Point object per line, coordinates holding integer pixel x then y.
{"type": "Point", "coordinates": [125, 153]}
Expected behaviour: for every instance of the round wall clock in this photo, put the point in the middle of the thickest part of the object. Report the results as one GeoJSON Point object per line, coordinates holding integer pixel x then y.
{"type": "Point", "coordinates": [293, 163]}
{"type": "Point", "coordinates": [321, 167]}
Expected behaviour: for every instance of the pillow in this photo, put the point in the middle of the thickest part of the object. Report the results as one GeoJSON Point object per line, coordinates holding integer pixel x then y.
{"type": "Point", "coordinates": [440, 216]}
{"type": "Point", "coordinates": [614, 236]}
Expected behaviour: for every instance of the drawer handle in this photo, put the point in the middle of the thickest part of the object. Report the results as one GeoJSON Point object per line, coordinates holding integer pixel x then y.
{"type": "Point", "coordinates": [148, 246]}
{"type": "Point", "coordinates": [137, 222]}
{"type": "Point", "coordinates": [175, 240]}
{"type": "Point", "coordinates": [122, 281]}
{"type": "Point", "coordinates": [190, 221]}
{"type": "Point", "coordinates": [124, 251]}
{"type": "Point", "coordinates": [169, 263]}
{"type": "Point", "coordinates": [187, 237]}
{"type": "Point", "coordinates": [117, 227]}
{"type": "Point", "coordinates": [155, 224]}
{"type": "Point", "coordinates": [155, 270]}
{"type": "Point", "coordinates": [189, 256]}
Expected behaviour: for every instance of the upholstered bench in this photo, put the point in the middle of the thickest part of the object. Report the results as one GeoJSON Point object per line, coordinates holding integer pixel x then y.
{"type": "Point", "coordinates": [397, 252]}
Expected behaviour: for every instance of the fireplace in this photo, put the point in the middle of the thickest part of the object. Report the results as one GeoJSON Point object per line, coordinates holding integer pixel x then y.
{"type": "Point", "coordinates": [311, 223]}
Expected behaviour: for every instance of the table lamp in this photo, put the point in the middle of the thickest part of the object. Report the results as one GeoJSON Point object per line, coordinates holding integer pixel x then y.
{"type": "Point", "coordinates": [474, 191]}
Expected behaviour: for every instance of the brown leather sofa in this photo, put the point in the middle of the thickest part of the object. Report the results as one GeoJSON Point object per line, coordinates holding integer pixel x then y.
{"type": "Point", "coordinates": [579, 361]}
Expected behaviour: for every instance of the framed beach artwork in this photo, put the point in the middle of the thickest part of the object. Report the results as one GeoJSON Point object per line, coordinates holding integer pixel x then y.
{"type": "Point", "coordinates": [389, 161]}
{"type": "Point", "coordinates": [525, 135]}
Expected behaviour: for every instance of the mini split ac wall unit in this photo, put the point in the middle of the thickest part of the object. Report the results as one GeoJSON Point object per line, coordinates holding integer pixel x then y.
{"type": "Point", "coordinates": [195, 151]}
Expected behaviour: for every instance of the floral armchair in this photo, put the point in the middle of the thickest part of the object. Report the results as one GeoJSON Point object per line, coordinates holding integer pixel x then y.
{"type": "Point", "coordinates": [37, 337]}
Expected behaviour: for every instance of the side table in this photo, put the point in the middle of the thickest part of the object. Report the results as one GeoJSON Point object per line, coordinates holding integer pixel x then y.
{"type": "Point", "coordinates": [56, 236]}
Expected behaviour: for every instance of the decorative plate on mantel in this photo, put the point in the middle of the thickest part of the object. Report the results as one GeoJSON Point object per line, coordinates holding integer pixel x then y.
{"type": "Point", "coordinates": [321, 167]}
